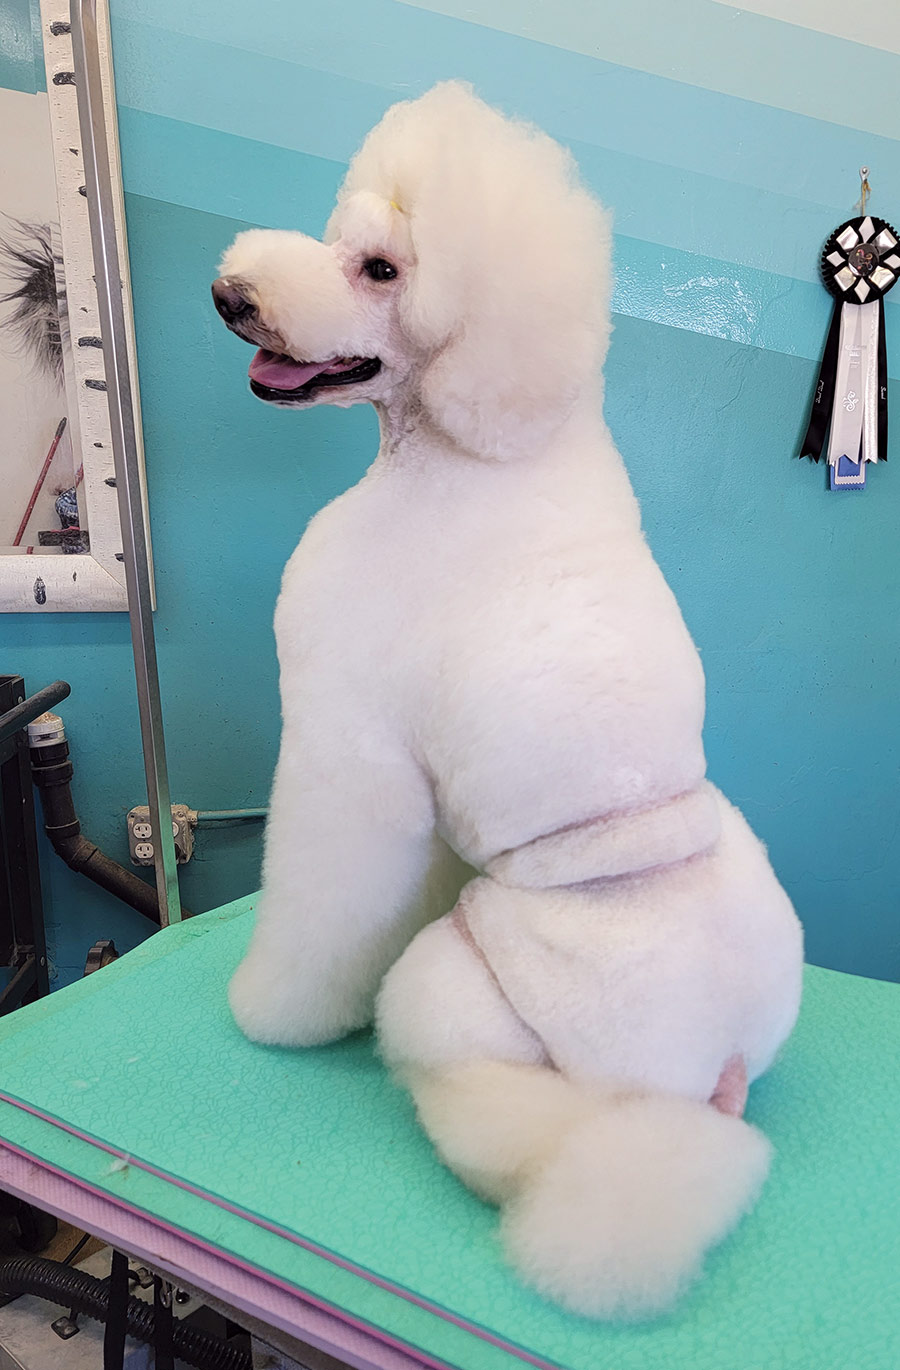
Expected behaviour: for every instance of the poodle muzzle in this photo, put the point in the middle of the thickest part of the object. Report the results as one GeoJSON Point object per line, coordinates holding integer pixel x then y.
{"type": "Point", "coordinates": [274, 374]}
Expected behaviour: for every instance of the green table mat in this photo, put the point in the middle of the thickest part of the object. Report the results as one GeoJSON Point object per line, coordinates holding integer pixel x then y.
{"type": "Point", "coordinates": [144, 1059]}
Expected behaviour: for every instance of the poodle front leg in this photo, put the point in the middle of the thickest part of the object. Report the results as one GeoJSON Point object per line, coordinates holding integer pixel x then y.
{"type": "Point", "coordinates": [353, 868]}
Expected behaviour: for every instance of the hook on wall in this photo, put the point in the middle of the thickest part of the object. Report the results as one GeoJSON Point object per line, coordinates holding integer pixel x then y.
{"type": "Point", "coordinates": [865, 188]}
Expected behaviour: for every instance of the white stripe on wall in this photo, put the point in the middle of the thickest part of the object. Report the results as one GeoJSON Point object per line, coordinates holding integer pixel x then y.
{"type": "Point", "coordinates": [876, 24]}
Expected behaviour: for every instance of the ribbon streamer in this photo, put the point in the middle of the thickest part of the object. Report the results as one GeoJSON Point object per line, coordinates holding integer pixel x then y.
{"type": "Point", "coordinates": [855, 416]}
{"type": "Point", "coordinates": [860, 264]}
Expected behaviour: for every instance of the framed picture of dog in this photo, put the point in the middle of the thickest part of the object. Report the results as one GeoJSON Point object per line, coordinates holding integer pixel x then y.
{"type": "Point", "coordinates": [60, 540]}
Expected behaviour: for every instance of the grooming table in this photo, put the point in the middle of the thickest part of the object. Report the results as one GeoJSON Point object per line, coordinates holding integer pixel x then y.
{"type": "Point", "coordinates": [296, 1185]}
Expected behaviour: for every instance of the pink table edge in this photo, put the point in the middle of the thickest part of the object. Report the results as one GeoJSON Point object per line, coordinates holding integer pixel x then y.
{"type": "Point", "coordinates": [205, 1269]}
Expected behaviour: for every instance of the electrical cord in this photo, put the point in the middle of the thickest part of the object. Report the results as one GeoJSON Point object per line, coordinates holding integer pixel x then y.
{"type": "Point", "coordinates": [79, 1246]}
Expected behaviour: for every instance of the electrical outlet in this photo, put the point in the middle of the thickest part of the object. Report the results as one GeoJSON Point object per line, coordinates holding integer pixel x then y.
{"type": "Point", "coordinates": [184, 820]}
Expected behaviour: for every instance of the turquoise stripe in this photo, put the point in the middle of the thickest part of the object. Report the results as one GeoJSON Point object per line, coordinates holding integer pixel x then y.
{"type": "Point", "coordinates": [757, 308]}
{"type": "Point", "coordinates": [37, 47]}
{"type": "Point", "coordinates": [259, 184]}
{"type": "Point", "coordinates": [219, 87]}
{"type": "Point", "coordinates": [717, 48]}
{"type": "Point", "coordinates": [218, 173]}
{"type": "Point", "coordinates": [242, 87]}
{"type": "Point", "coordinates": [18, 69]}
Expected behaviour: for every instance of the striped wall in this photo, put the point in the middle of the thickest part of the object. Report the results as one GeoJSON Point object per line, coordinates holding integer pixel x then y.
{"type": "Point", "coordinates": [726, 140]}
{"type": "Point", "coordinates": [717, 187]}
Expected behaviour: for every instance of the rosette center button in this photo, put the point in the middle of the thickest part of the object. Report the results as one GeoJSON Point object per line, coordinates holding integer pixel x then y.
{"type": "Point", "coordinates": [863, 259]}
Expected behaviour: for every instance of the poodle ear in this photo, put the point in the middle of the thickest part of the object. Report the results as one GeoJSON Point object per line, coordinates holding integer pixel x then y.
{"type": "Point", "coordinates": [511, 285]}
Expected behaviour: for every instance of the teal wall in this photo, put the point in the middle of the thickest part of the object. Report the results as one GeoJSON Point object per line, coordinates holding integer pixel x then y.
{"type": "Point", "coordinates": [723, 143]}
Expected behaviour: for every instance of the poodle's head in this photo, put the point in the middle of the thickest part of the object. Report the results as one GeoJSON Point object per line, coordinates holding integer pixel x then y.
{"type": "Point", "coordinates": [464, 270]}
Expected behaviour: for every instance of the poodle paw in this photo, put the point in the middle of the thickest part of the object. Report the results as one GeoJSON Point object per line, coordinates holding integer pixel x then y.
{"type": "Point", "coordinates": [264, 1010]}
{"type": "Point", "coordinates": [280, 1005]}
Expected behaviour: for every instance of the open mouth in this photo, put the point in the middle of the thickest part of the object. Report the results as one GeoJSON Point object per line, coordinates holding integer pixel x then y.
{"type": "Point", "coordinates": [274, 376]}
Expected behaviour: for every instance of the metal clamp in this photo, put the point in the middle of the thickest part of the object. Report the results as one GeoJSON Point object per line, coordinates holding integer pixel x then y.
{"type": "Point", "coordinates": [26, 711]}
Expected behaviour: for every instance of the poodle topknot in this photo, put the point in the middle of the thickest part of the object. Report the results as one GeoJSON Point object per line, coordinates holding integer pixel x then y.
{"type": "Point", "coordinates": [491, 829]}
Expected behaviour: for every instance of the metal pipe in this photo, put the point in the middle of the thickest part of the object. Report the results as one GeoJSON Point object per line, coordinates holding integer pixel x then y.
{"type": "Point", "coordinates": [230, 815]}
{"type": "Point", "coordinates": [27, 710]}
{"type": "Point", "coordinates": [51, 771]}
{"type": "Point", "coordinates": [108, 276]}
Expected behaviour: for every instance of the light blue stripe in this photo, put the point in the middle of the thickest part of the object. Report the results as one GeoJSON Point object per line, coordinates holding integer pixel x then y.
{"type": "Point", "coordinates": [716, 218]}
{"type": "Point", "coordinates": [274, 187]}
{"type": "Point", "coordinates": [218, 87]}
{"type": "Point", "coordinates": [698, 42]}
{"type": "Point", "coordinates": [367, 53]}
{"type": "Point", "coordinates": [712, 46]}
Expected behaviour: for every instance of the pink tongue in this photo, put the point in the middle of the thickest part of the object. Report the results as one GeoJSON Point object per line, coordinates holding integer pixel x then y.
{"type": "Point", "coordinates": [281, 373]}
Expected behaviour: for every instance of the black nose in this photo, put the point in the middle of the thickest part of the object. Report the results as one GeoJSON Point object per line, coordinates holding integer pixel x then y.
{"type": "Point", "coordinates": [231, 301]}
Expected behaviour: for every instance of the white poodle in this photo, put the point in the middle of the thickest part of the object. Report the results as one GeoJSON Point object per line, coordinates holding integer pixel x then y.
{"type": "Point", "coordinates": [487, 687]}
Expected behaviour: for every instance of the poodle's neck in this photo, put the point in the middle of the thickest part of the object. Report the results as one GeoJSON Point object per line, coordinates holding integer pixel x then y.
{"type": "Point", "coordinates": [411, 438]}
{"type": "Point", "coordinates": [577, 473]}
{"type": "Point", "coordinates": [407, 431]}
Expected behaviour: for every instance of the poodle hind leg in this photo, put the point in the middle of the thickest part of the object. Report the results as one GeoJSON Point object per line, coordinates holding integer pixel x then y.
{"type": "Point", "coordinates": [610, 1195]}
{"type": "Point", "coordinates": [440, 1016]}
{"type": "Point", "coordinates": [609, 1201]}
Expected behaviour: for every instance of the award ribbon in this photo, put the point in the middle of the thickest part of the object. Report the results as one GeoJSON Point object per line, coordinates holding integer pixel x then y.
{"type": "Point", "coordinates": [860, 264]}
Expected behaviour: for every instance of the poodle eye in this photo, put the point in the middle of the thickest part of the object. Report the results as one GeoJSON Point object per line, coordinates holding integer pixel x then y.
{"type": "Point", "coordinates": [379, 269]}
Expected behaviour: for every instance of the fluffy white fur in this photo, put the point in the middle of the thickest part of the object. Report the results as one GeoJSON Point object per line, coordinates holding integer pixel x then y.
{"type": "Point", "coordinates": [483, 670]}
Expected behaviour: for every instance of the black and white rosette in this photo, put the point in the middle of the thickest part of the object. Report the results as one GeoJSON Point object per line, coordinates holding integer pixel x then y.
{"type": "Point", "coordinates": [860, 264]}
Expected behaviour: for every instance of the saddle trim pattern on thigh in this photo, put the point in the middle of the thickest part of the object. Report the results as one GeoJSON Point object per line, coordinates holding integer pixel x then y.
{"type": "Point", "coordinates": [460, 923]}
